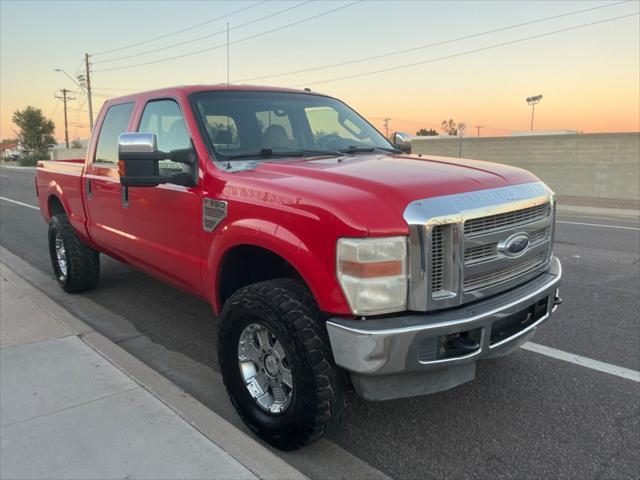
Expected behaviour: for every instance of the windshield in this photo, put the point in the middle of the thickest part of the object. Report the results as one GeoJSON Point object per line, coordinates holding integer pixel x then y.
{"type": "Point", "coordinates": [249, 124]}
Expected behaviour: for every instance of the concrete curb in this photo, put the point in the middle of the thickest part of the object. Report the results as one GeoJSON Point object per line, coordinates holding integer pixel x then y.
{"type": "Point", "coordinates": [247, 451]}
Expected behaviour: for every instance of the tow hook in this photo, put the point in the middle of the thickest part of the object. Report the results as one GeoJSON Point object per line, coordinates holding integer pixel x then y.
{"type": "Point", "coordinates": [455, 345]}
{"type": "Point", "coordinates": [557, 301]}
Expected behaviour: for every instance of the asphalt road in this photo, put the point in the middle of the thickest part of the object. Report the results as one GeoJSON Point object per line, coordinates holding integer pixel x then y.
{"type": "Point", "coordinates": [525, 416]}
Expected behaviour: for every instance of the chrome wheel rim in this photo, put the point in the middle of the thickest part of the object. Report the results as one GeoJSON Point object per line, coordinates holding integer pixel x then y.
{"type": "Point", "coordinates": [265, 368]}
{"type": "Point", "coordinates": [61, 256]}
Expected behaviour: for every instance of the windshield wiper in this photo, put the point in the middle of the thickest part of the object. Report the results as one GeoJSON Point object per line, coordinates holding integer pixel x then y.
{"type": "Point", "coordinates": [351, 149]}
{"type": "Point", "coordinates": [265, 153]}
{"type": "Point", "coordinates": [270, 153]}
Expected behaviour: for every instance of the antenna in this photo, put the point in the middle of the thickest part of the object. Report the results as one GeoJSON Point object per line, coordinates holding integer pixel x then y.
{"type": "Point", "coordinates": [227, 54]}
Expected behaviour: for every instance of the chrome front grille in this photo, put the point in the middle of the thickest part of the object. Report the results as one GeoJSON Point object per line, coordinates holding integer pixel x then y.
{"type": "Point", "coordinates": [458, 244]}
{"type": "Point", "coordinates": [478, 254]}
{"type": "Point", "coordinates": [494, 277]}
{"type": "Point", "coordinates": [437, 259]}
{"type": "Point", "coordinates": [507, 220]}
{"type": "Point", "coordinates": [489, 251]}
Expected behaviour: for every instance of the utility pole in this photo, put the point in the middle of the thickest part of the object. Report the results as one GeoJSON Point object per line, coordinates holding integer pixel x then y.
{"type": "Point", "coordinates": [386, 126]}
{"type": "Point", "coordinates": [478, 127]}
{"type": "Point", "coordinates": [65, 99]}
{"type": "Point", "coordinates": [533, 101]}
{"type": "Point", "coordinates": [89, 102]}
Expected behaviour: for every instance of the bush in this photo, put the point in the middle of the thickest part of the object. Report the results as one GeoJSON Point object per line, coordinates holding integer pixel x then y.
{"type": "Point", "coordinates": [32, 159]}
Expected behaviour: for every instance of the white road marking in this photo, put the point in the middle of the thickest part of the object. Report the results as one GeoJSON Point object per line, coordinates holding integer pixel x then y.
{"type": "Point", "coordinates": [16, 167]}
{"type": "Point", "coordinates": [598, 225]}
{"type": "Point", "coordinates": [19, 203]}
{"type": "Point", "coordinates": [621, 372]}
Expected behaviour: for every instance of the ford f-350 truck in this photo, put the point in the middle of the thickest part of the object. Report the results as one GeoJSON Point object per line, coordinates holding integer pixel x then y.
{"type": "Point", "coordinates": [331, 259]}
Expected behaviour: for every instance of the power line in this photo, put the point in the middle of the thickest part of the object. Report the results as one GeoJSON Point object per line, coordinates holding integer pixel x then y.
{"type": "Point", "coordinates": [467, 52]}
{"type": "Point", "coordinates": [279, 12]}
{"type": "Point", "coordinates": [76, 122]}
{"type": "Point", "coordinates": [436, 125]}
{"type": "Point", "coordinates": [408, 121]}
{"type": "Point", "coordinates": [298, 22]}
{"type": "Point", "coordinates": [430, 45]}
{"type": "Point", "coordinates": [182, 30]}
{"type": "Point", "coordinates": [102, 96]}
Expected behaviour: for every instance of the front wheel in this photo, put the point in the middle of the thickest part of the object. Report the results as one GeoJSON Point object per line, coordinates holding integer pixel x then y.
{"type": "Point", "coordinates": [75, 265]}
{"type": "Point", "coordinates": [277, 365]}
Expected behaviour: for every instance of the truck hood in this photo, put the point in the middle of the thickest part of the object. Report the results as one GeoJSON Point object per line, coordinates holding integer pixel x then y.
{"type": "Point", "coordinates": [374, 190]}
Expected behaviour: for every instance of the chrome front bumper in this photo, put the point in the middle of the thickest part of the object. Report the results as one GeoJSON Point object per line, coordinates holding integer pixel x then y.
{"type": "Point", "coordinates": [395, 357]}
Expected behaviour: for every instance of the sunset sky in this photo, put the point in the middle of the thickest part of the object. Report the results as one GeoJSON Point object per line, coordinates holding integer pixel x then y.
{"type": "Point", "coordinates": [590, 77]}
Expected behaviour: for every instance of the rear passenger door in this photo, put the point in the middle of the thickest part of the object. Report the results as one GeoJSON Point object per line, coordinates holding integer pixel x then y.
{"type": "Point", "coordinates": [103, 194]}
{"type": "Point", "coordinates": [165, 220]}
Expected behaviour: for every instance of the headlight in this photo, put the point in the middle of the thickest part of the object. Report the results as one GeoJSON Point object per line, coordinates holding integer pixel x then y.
{"type": "Point", "coordinates": [373, 274]}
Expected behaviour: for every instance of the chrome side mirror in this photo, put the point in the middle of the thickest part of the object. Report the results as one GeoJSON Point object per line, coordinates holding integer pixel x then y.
{"type": "Point", "coordinates": [139, 157]}
{"type": "Point", "coordinates": [402, 141]}
{"type": "Point", "coordinates": [134, 146]}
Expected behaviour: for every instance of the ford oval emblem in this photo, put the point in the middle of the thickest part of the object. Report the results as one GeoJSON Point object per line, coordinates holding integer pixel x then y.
{"type": "Point", "coordinates": [515, 245]}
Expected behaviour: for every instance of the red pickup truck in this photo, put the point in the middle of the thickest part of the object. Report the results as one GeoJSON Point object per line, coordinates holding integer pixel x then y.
{"type": "Point", "coordinates": [332, 259]}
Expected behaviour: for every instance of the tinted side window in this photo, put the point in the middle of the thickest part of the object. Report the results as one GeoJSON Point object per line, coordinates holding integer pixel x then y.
{"type": "Point", "coordinates": [115, 123]}
{"type": "Point", "coordinates": [164, 118]}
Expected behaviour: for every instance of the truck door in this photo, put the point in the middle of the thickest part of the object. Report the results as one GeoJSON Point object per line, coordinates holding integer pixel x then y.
{"type": "Point", "coordinates": [165, 220]}
{"type": "Point", "coordinates": [102, 190]}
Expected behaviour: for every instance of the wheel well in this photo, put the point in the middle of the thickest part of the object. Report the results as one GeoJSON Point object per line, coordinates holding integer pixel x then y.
{"type": "Point", "coordinates": [55, 206]}
{"type": "Point", "coordinates": [247, 264]}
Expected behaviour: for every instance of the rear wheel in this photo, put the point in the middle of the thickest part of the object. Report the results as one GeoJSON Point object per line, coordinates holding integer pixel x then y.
{"type": "Point", "coordinates": [75, 265]}
{"type": "Point", "coordinates": [277, 365]}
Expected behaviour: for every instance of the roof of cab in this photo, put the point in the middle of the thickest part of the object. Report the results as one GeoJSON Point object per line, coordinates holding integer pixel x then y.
{"type": "Point", "coordinates": [188, 89]}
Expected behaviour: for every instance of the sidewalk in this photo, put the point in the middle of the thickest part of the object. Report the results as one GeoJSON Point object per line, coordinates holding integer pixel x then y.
{"type": "Point", "coordinates": [67, 411]}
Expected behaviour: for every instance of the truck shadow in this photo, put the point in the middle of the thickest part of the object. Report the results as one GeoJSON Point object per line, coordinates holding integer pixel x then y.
{"type": "Point", "coordinates": [518, 410]}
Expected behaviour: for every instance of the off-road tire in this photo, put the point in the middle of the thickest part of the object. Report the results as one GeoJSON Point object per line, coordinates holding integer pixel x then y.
{"type": "Point", "coordinates": [83, 263]}
{"type": "Point", "coordinates": [289, 310]}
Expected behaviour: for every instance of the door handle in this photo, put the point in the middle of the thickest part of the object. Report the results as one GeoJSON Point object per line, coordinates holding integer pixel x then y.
{"type": "Point", "coordinates": [88, 188]}
{"type": "Point", "coordinates": [124, 196]}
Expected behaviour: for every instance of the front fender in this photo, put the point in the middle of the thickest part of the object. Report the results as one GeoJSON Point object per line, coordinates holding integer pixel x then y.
{"type": "Point", "coordinates": [314, 263]}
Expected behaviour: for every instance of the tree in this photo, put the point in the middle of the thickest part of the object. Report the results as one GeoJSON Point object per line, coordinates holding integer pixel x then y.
{"type": "Point", "coordinates": [35, 130]}
{"type": "Point", "coordinates": [450, 127]}
{"type": "Point", "coordinates": [423, 132]}
{"type": "Point", "coordinates": [9, 141]}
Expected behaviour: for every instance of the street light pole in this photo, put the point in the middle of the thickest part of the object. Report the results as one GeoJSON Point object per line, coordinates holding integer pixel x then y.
{"type": "Point", "coordinates": [85, 84]}
{"type": "Point", "coordinates": [533, 101]}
